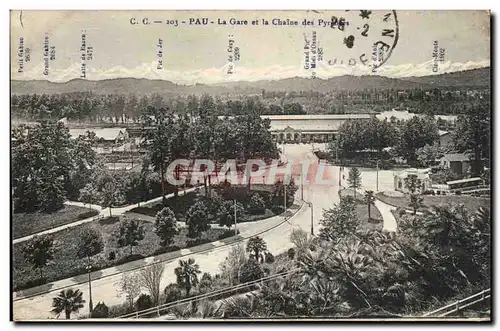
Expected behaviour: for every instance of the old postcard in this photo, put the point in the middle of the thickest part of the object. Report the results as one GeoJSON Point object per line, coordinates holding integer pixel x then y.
{"type": "Point", "coordinates": [250, 165]}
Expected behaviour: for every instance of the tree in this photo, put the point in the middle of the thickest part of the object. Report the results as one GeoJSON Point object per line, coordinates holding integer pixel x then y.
{"type": "Point", "coordinates": [414, 134]}
{"type": "Point", "coordinates": [256, 204]}
{"type": "Point", "coordinates": [166, 226]}
{"type": "Point", "coordinates": [38, 251]}
{"type": "Point", "coordinates": [255, 139]}
{"type": "Point", "coordinates": [129, 233]}
{"type": "Point", "coordinates": [225, 214]}
{"type": "Point", "coordinates": [256, 246]}
{"type": "Point", "coordinates": [340, 221]}
{"type": "Point", "coordinates": [172, 293]}
{"type": "Point", "coordinates": [354, 180]}
{"type": "Point", "coordinates": [182, 144]}
{"type": "Point", "coordinates": [251, 271]}
{"type": "Point", "coordinates": [151, 279]}
{"type": "Point", "coordinates": [205, 283]}
{"type": "Point", "coordinates": [473, 134]}
{"type": "Point", "coordinates": [41, 166]}
{"type": "Point", "coordinates": [369, 200]}
{"type": "Point", "coordinates": [88, 194]}
{"type": "Point", "coordinates": [111, 193]}
{"type": "Point", "coordinates": [231, 267]}
{"type": "Point", "coordinates": [130, 286]}
{"type": "Point", "coordinates": [187, 274]}
{"type": "Point", "coordinates": [413, 183]}
{"type": "Point", "coordinates": [100, 311]}
{"type": "Point", "coordinates": [428, 154]}
{"type": "Point", "coordinates": [197, 219]}
{"type": "Point", "coordinates": [67, 301]}
{"type": "Point", "coordinates": [416, 202]}
{"type": "Point", "coordinates": [89, 243]}
{"type": "Point", "coordinates": [157, 132]}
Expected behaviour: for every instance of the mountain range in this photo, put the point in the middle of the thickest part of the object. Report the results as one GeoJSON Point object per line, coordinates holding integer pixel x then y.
{"type": "Point", "coordinates": [474, 78]}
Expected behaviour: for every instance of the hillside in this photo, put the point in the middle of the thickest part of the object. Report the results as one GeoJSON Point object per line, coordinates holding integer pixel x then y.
{"type": "Point", "coordinates": [469, 78]}
{"type": "Point", "coordinates": [476, 78]}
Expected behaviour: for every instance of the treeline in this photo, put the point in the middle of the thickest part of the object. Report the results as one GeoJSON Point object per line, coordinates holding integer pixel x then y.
{"type": "Point", "coordinates": [121, 108]}
{"type": "Point", "coordinates": [417, 140]}
{"type": "Point", "coordinates": [50, 167]}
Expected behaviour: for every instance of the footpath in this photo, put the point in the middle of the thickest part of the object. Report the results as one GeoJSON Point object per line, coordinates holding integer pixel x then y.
{"type": "Point", "coordinates": [103, 212]}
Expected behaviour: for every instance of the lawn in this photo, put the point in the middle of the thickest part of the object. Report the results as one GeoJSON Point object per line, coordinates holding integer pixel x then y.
{"type": "Point", "coordinates": [66, 263]}
{"type": "Point", "coordinates": [470, 202]}
{"type": "Point", "coordinates": [24, 224]}
{"type": "Point", "coordinates": [373, 223]}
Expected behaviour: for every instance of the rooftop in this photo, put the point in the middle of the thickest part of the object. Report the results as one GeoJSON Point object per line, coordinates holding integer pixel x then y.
{"type": "Point", "coordinates": [466, 180]}
{"type": "Point", "coordinates": [456, 157]}
{"type": "Point", "coordinates": [101, 133]}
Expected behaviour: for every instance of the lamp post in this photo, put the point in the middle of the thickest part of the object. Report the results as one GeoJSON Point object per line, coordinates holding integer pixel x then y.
{"type": "Point", "coordinates": [235, 223]}
{"type": "Point", "coordinates": [377, 175]}
{"type": "Point", "coordinates": [284, 188]}
{"type": "Point", "coordinates": [89, 269]}
{"type": "Point", "coordinates": [312, 216]}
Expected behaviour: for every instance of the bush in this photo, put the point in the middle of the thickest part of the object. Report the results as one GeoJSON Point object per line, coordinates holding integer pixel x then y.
{"type": "Point", "coordinates": [250, 271]}
{"type": "Point", "coordinates": [172, 293]}
{"type": "Point", "coordinates": [277, 209]}
{"type": "Point", "coordinates": [120, 310]}
{"type": "Point", "coordinates": [401, 211]}
{"type": "Point", "coordinates": [269, 258]}
{"type": "Point", "coordinates": [227, 233]}
{"type": "Point", "coordinates": [167, 249]}
{"type": "Point", "coordinates": [197, 241]}
{"type": "Point", "coordinates": [256, 206]}
{"type": "Point", "coordinates": [100, 311]}
{"type": "Point", "coordinates": [291, 253]}
{"type": "Point", "coordinates": [143, 302]}
{"type": "Point", "coordinates": [87, 214]}
{"type": "Point", "coordinates": [111, 255]}
{"type": "Point", "coordinates": [458, 192]}
{"type": "Point", "coordinates": [438, 192]}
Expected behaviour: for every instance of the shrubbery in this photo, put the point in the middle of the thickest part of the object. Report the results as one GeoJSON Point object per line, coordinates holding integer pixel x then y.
{"type": "Point", "coordinates": [250, 271]}
{"type": "Point", "coordinates": [143, 302]}
{"type": "Point", "coordinates": [100, 311]}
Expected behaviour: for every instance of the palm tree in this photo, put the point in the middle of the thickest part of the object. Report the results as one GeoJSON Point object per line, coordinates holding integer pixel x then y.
{"type": "Point", "coordinates": [256, 246]}
{"type": "Point", "coordinates": [68, 301]}
{"type": "Point", "coordinates": [370, 200]}
{"type": "Point", "coordinates": [187, 274]}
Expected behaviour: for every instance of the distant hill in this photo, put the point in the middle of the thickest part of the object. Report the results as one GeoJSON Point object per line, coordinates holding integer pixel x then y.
{"type": "Point", "coordinates": [468, 78]}
{"type": "Point", "coordinates": [479, 78]}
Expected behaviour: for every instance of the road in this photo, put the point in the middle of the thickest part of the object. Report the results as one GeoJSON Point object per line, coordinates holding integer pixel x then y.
{"type": "Point", "coordinates": [322, 196]}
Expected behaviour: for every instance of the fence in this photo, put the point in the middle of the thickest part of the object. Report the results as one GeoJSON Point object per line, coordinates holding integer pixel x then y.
{"type": "Point", "coordinates": [460, 305]}
{"type": "Point", "coordinates": [163, 309]}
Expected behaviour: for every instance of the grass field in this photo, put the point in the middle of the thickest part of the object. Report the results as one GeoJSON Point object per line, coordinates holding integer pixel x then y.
{"type": "Point", "coordinates": [24, 224]}
{"type": "Point", "coordinates": [66, 263]}
{"type": "Point", "coordinates": [470, 202]}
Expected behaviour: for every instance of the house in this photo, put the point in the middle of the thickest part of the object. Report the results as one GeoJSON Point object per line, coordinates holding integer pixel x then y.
{"type": "Point", "coordinates": [421, 174]}
{"type": "Point", "coordinates": [104, 135]}
{"type": "Point", "coordinates": [444, 138]}
{"type": "Point", "coordinates": [457, 162]}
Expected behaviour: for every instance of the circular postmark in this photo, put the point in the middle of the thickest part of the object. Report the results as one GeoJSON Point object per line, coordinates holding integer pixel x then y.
{"type": "Point", "coordinates": [368, 37]}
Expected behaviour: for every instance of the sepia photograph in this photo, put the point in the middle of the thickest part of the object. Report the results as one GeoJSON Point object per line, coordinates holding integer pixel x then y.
{"type": "Point", "coordinates": [250, 165]}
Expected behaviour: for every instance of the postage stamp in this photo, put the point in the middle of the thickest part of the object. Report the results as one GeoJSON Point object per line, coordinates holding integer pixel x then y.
{"type": "Point", "coordinates": [250, 165]}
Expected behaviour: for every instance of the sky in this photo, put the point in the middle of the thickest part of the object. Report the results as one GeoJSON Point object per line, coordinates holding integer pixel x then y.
{"type": "Point", "coordinates": [194, 53]}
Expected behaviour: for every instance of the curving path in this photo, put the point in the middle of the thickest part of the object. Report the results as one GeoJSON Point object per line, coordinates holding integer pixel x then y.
{"type": "Point", "coordinates": [103, 212]}
{"type": "Point", "coordinates": [275, 233]}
